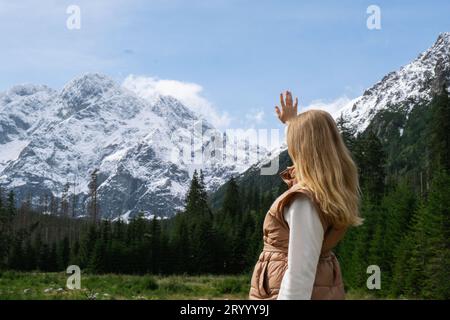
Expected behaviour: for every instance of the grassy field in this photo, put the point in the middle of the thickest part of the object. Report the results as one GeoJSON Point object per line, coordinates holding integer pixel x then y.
{"type": "Point", "coordinates": [34, 285]}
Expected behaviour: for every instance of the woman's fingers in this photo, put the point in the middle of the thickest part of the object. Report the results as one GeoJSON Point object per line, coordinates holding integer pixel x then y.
{"type": "Point", "coordinates": [277, 110]}
{"type": "Point", "coordinates": [288, 99]}
{"type": "Point", "coordinates": [282, 101]}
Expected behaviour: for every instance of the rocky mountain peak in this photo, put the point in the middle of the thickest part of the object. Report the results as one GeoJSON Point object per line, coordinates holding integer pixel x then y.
{"type": "Point", "coordinates": [413, 83]}
{"type": "Point", "coordinates": [79, 91]}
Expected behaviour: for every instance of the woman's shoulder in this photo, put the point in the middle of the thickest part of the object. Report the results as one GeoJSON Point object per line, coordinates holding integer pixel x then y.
{"type": "Point", "coordinates": [303, 201]}
{"type": "Point", "coordinates": [296, 192]}
{"type": "Point", "coordinates": [302, 213]}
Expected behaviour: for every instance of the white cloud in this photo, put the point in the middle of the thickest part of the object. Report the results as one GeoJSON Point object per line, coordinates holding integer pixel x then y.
{"type": "Point", "coordinates": [188, 93]}
{"type": "Point", "coordinates": [333, 106]}
{"type": "Point", "coordinates": [255, 116]}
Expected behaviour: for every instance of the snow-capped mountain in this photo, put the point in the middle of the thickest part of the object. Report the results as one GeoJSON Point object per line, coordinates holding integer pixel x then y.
{"type": "Point", "coordinates": [413, 84]}
{"type": "Point", "coordinates": [50, 138]}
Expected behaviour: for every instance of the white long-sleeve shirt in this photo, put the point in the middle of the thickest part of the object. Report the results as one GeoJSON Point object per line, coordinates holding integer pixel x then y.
{"type": "Point", "coordinates": [305, 243]}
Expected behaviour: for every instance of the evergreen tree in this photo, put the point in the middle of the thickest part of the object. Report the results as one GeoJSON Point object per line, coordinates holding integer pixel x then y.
{"type": "Point", "coordinates": [63, 254]}
{"type": "Point", "coordinates": [156, 253]}
{"type": "Point", "coordinates": [86, 246]}
{"type": "Point", "coordinates": [139, 239]}
{"type": "Point", "coordinates": [97, 261]}
{"type": "Point", "coordinates": [348, 133]}
{"type": "Point", "coordinates": [437, 269]}
{"type": "Point", "coordinates": [202, 189]}
{"type": "Point", "coordinates": [370, 157]}
{"type": "Point", "coordinates": [440, 131]}
{"type": "Point", "coordinates": [398, 206]}
{"type": "Point", "coordinates": [181, 245]}
{"type": "Point", "coordinates": [75, 253]}
{"type": "Point", "coordinates": [11, 206]}
{"type": "Point", "coordinates": [100, 259]}
{"type": "Point", "coordinates": [44, 262]}
{"type": "Point", "coordinates": [240, 247]}
{"type": "Point", "coordinates": [232, 205]}
{"type": "Point", "coordinates": [8, 240]}
{"type": "Point", "coordinates": [401, 272]}
{"type": "Point", "coordinates": [53, 258]}
{"type": "Point", "coordinates": [65, 200]}
{"type": "Point", "coordinates": [230, 221]}
{"type": "Point", "coordinates": [418, 255]}
{"type": "Point", "coordinates": [197, 220]}
{"type": "Point", "coordinates": [166, 256]}
{"type": "Point", "coordinates": [354, 249]}
{"type": "Point", "coordinates": [202, 244]}
{"type": "Point", "coordinates": [93, 201]}
{"type": "Point", "coordinates": [29, 256]}
{"type": "Point", "coordinates": [196, 200]}
{"type": "Point", "coordinates": [16, 260]}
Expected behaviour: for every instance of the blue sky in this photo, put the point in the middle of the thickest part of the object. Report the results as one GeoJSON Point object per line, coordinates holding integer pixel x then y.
{"type": "Point", "coordinates": [235, 56]}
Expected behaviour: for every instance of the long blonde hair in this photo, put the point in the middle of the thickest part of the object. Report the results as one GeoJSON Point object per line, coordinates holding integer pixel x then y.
{"type": "Point", "coordinates": [324, 166]}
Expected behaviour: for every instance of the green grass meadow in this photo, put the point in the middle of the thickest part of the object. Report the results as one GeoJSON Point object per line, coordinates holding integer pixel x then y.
{"type": "Point", "coordinates": [52, 286]}
{"type": "Point", "coordinates": [34, 285]}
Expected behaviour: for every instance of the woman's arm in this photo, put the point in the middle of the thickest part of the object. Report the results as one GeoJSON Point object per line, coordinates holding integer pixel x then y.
{"type": "Point", "coordinates": [305, 244]}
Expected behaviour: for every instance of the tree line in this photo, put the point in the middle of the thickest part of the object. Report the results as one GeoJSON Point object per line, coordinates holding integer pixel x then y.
{"type": "Point", "coordinates": [194, 241]}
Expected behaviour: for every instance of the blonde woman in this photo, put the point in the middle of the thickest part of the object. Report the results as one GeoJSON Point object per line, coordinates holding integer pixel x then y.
{"type": "Point", "coordinates": [306, 222]}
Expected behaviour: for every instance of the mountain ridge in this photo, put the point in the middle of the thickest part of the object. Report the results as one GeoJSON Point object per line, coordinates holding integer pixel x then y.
{"type": "Point", "coordinates": [414, 83]}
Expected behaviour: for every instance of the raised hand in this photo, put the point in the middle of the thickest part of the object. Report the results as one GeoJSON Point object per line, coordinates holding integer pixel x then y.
{"type": "Point", "coordinates": [288, 108]}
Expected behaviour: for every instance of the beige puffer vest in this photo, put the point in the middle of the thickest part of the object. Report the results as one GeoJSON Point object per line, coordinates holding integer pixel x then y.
{"type": "Point", "coordinates": [272, 262]}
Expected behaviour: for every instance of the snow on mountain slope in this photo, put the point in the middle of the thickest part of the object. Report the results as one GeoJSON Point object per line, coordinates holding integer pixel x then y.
{"type": "Point", "coordinates": [21, 108]}
{"type": "Point", "coordinates": [414, 83]}
{"type": "Point", "coordinates": [50, 138]}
